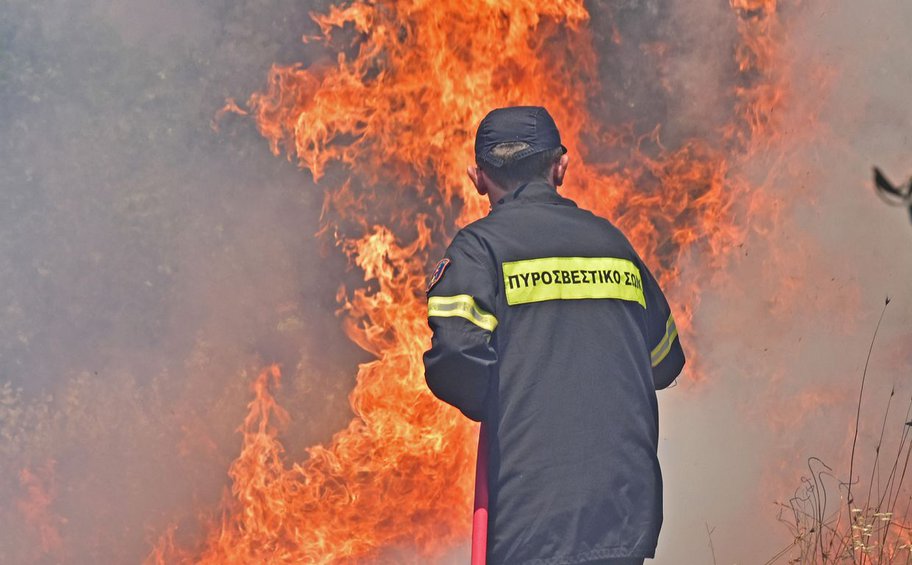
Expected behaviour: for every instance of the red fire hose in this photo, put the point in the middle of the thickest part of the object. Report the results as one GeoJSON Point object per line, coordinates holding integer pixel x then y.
{"type": "Point", "coordinates": [480, 515]}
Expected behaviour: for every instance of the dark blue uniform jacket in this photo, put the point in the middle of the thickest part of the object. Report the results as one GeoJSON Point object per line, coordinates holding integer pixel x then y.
{"type": "Point", "coordinates": [549, 327]}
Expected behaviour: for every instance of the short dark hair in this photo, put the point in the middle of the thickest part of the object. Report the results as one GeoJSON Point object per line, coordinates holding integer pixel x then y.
{"type": "Point", "coordinates": [515, 172]}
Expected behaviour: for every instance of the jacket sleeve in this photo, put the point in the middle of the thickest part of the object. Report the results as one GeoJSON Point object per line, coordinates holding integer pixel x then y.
{"type": "Point", "coordinates": [666, 353]}
{"type": "Point", "coordinates": [461, 361]}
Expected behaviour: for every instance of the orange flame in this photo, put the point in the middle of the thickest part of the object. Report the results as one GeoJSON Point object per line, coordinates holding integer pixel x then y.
{"type": "Point", "coordinates": [399, 117]}
{"type": "Point", "coordinates": [35, 507]}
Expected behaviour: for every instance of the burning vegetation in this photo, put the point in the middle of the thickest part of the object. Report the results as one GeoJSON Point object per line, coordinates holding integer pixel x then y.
{"type": "Point", "coordinates": [381, 113]}
{"type": "Point", "coordinates": [847, 516]}
{"type": "Point", "coordinates": [387, 129]}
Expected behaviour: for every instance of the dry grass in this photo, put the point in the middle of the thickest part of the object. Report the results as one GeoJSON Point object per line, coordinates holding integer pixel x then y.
{"type": "Point", "coordinates": [865, 520]}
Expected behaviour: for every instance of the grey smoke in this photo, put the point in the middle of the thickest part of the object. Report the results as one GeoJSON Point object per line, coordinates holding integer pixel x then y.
{"type": "Point", "coordinates": [149, 266]}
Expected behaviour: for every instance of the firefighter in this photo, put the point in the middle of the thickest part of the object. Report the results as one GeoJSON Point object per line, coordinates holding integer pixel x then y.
{"type": "Point", "coordinates": [550, 329]}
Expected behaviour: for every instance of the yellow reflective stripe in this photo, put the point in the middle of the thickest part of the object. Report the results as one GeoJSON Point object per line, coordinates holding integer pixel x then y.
{"type": "Point", "coordinates": [572, 278]}
{"type": "Point", "coordinates": [462, 306]}
{"type": "Point", "coordinates": [664, 347]}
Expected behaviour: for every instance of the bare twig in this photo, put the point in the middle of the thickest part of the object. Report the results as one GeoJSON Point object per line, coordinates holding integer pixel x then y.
{"type": "Point", "coordinates": [902, 442]}
{"type": "Point", "coordinates": [864, 375]}
{"type": "Point", "coordinates": [709, 534]}
{"type": "Point", "coordinates": [820, 497]}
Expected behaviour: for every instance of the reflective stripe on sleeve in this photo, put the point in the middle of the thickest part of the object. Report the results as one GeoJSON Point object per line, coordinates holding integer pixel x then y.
{"type": "Point", "coordinates": [462, 306]}
{"type": "Point", "coordinates": [664, 347]}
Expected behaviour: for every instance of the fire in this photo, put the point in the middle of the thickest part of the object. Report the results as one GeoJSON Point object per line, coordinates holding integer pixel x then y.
{"type": "Point", "coordinates": [35, 507]}
{"type": "Point", "coordinates": [397, 119]}
{"type": "Point", "coordinates": [868, 537]}
{"type": "Point", "coordinates": [760, 30]}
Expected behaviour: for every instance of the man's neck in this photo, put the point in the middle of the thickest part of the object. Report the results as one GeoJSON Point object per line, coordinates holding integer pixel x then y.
{"type": "Point", "coordinates": [498, 197]}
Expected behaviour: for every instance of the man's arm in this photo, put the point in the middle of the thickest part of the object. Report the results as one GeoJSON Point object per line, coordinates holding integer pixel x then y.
{"type": "Point", "coordinates": [665, 351]}
{"type": "Point", "coordinates": [461, 296]}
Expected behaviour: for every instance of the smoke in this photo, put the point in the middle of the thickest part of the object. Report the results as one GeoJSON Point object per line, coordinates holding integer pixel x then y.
{"type": "Point", "coordinates": [149, 265]}
{"type": "Point", "coordinates": [787, 331]}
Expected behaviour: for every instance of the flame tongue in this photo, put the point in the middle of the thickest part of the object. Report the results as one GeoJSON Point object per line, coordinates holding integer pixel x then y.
{"type": "Point", "coordinates": [401, 114]}
{"type": "Point", "coordinates": [425, 75]}
{"type": "Point", "coordinates": [399, 475]}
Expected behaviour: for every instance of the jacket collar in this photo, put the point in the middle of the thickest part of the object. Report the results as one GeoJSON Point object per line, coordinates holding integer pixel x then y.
{"type": "Point", "coordinates": [533, 192]}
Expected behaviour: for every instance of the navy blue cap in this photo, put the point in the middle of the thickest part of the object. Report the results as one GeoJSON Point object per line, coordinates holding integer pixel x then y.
{"type": "Point", "coordinates": [529, 124]}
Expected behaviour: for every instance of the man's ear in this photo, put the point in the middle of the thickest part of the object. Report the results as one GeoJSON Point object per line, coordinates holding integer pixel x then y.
{"type": "Point", "coordinates": [478, 179]}
{"type": "Point", "coordinates": [560, 169]}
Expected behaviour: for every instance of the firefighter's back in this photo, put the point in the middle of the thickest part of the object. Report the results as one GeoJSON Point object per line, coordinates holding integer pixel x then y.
{"type": "Point", "coordinates": [572, 413]}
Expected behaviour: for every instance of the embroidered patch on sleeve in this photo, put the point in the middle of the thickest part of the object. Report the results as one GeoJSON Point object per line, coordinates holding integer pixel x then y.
{"type": "Point", "coordinates": [438, 273]}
